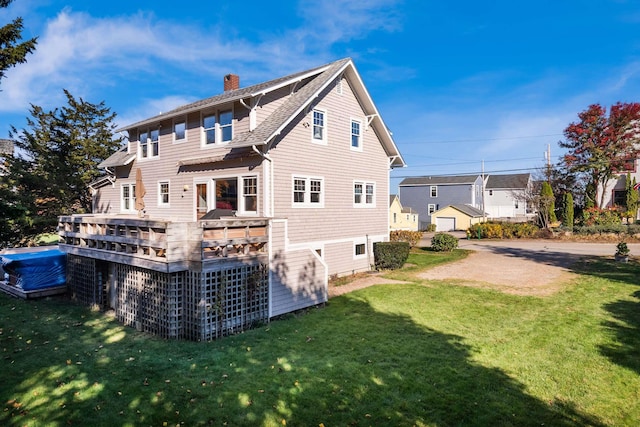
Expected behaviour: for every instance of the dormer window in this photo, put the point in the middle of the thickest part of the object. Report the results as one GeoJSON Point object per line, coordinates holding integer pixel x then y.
{"type": "Point", "coordinates": [149, 143]}
{"type": "Point", "coordinates": [218, 127]}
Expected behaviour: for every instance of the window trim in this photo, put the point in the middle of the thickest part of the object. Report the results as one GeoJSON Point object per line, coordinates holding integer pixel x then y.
{"type": "Point", "coordinates": [365, 195]}
{"type": "Point", "coordinates": [177, 140]}
{"type": "Point", "coordinates": [242, 195]}
{"type": "Point", "coordinates": [356, 245]}
{"type": "Point", "coordinates": [307, 203]}
{"type": "Point", "coordinates": [323, 140]}
{"type": "Point", "coordinates": [429, 206]}
{"type": "Point", "coordinates": [359, 146]}
{"type": "Point", "coordinates": [433, 191]}
{"type": "Point", "coordinates": [161, 203]}
{"type": "Point", "coordinates": [150, 145]}
{"type": "Point", "coordinates": [218, 128]}
{"type": "Point", "coordinates": [131, 198]}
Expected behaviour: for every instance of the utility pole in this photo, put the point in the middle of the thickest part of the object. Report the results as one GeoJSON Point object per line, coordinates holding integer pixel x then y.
{"type": "Point", "coordinates": [547, 156]}
{"type": "Point", "coordinates": [484, 213]}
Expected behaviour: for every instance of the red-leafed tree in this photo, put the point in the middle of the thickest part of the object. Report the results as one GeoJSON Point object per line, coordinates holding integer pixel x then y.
{"type": "Point", "coordinates": [600, 145]}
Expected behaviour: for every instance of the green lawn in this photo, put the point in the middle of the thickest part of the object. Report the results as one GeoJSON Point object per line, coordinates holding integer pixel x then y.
{"type": "Point", "coordinates": [425, 354]}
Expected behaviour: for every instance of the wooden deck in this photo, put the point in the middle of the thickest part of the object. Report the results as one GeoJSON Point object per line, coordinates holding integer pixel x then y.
{"type": "Point", "coordinates": [162, 245]}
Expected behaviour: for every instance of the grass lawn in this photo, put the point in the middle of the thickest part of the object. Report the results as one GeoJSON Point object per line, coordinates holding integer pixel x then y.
{"type": "Point", "coordinates": [425, 354]}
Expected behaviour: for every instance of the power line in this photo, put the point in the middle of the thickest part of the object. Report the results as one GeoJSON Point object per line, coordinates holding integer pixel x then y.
{"type": "Point", "coordinates": [476, 161]}
{"type": "Point", "coordinates": [480, 139]}
{"type": "Point", "coordinates": [469, 173]}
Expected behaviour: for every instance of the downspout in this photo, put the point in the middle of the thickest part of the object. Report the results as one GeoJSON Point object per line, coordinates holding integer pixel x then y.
{"type": "Point", "coordinates": [265, 156]}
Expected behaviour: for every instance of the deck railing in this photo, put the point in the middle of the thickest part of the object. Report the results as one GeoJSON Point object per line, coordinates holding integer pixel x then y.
{"type": "Point", "coordinates": [158, 242]}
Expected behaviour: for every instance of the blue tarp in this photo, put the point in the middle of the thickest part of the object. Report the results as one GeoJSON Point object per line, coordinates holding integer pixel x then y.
{"type": "Point", "coordinates": [36, 270]}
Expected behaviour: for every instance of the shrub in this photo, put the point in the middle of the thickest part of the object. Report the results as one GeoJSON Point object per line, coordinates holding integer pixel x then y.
{"type": "Point", "coordinates": [443, 242]}
{"type": "Point", "coordinates": [431, 228]}
{"type": "Point", "coordinates": [596, 216]}
{"type": "Point", "coordinates": [411, 237]}
{"type": "Point", "coordinates": [502, 230]}
{"type": "Point", "coordinates": [390, 255]}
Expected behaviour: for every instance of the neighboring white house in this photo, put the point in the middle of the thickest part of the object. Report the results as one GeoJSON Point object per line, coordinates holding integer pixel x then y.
{"type": "Point", "coordinates": [504, 196]}
{"type": "Point", "coordinates": [239, 207]}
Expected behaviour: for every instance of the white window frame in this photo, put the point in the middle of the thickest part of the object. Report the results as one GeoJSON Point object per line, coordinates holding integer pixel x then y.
{"type": "Point", "coordinates": [323, 127]}
{"type": "Point", "coordinates": [161, 202]}
{"type": "Point", "coordinates": [367, 197]}
{"type": "Point", "coordinates": [357, 147]}
{"type": "Point", "coordinates": [242, 203]}
{"type": "Point", "coordinates": [217, 128]}
{"type": "Point", "coordinates": [357, 244]}
{"type": "Point", "coordinates": [223, 127]}
{"type": "Point", "coordinates": [433, 191]}
{"type": "Point", "coordinates": [206, 143]}
{"type": "Point", "coordinates": [131, 199]}
{"type": "Point", "coordinates": [150, 145]}
{"type": "Point", "coordinates": [307, 191]}
{"type": "Point", "coordinates": [431, 208]}
{"type": "Point", "coordinates": [184, 132]}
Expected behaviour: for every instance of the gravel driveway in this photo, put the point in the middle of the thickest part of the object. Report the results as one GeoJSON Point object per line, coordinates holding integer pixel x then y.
{"type": "Point", "coordinates": [522, 267]}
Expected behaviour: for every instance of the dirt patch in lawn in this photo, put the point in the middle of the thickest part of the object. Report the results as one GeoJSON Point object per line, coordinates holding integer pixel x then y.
{"type": "Point", "coordinates": [513, 275]}
{"type": "Point", "coordinates": [360, 281]}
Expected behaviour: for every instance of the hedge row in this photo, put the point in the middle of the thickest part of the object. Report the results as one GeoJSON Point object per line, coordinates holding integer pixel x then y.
{"type": "Point", "coordinates": [503, 230]}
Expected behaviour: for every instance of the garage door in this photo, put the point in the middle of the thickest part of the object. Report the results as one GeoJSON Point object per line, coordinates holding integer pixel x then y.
{"type": "Point", "coordinates": [445, 224]}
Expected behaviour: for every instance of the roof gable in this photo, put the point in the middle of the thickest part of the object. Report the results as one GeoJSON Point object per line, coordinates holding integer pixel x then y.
{"type": "Point", "coordinates": [317, 79]}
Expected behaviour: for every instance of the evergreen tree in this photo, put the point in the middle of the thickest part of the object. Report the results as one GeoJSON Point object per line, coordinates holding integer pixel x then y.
{"type": "Point", "coordinates": [546, 209]}
{"type": "Point", "coordinates": [567, 210]}
{"type": "Point", "coordinates": [59, 153]}
{"type": "Point", "coordinates": [12, 52]}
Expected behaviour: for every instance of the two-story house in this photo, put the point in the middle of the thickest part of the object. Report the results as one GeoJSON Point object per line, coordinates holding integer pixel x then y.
{"type": "Point", "coordinates": [401, 218]}
{"type": "Point", "coordinates": [236, 208]}
{"type": "Point", "coordinates": [505, 197]}
{"type": "Point", "coordinates": [428, 194]}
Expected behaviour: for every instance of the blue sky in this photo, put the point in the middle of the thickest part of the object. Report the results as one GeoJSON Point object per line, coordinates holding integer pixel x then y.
{"type": "Point", "coordinates": [458, 83]}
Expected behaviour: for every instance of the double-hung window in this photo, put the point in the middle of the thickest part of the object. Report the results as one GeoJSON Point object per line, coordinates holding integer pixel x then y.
{"type": "Point", "coordinates": [356, 135]}
{"type": "Point", "coordinates": [433, 191]}
{"type": "Point", "coordinates": [308, 192]}
{"type": "Point", "coordinates": [163, 193]}
{"type": "Point", "coordinates": [226, 129]}
{"type": "Point", "coordinates": [319, 126]}
{"type": "Point", "coordinates": [364, 194]}
{"type": "Point", "coordinates": [179, 131]}
{"type": "Point", "coordinates": [209, 129]}
{"type": "Point", "coordinates": [217, 127]}
{"type": "Point", "coordinates": [149, 143]}
{"type": "Point", "coordinates": [144, 145]}
{"type": "Point", "coordinates": [154, 139]}
{"type": "Point", "coordinates": [250, 193]}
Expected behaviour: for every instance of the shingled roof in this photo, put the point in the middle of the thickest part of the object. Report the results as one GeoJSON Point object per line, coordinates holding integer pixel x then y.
{"type": "Point", "coordinates": [509, 182]}
{"type": "Point", "coordinates": [439, 180]}
{"type": "Point", "coordinates": [312, 82]}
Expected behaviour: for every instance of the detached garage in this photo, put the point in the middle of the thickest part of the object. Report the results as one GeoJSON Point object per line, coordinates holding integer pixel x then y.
{"type": "Point", "coordinates": [456, 217]}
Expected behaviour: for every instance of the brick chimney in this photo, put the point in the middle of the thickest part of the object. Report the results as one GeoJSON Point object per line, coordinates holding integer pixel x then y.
{"type": "Point", "coordinates": [231, 82]}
